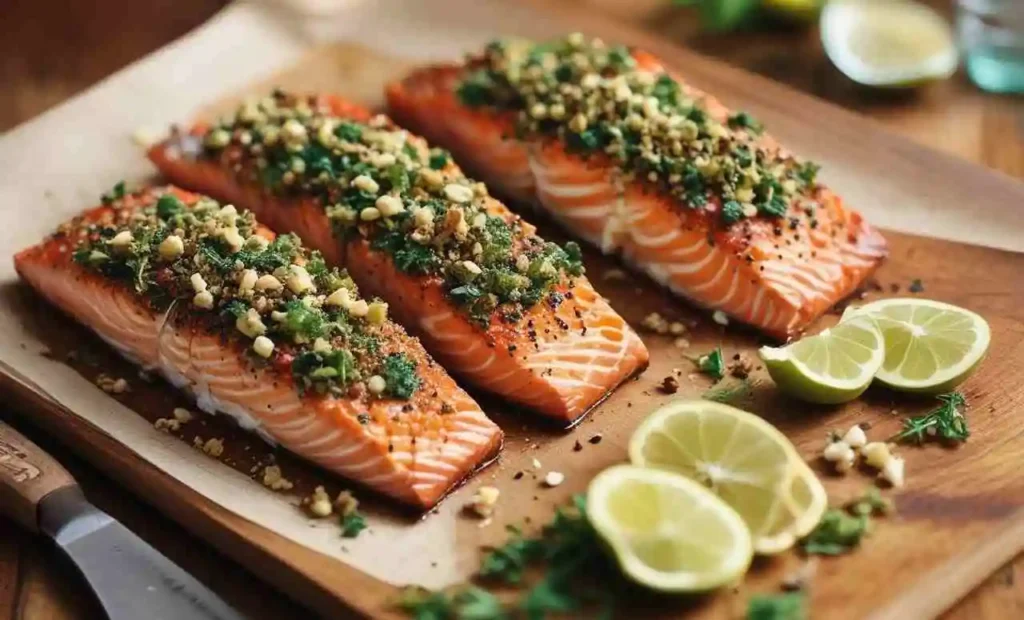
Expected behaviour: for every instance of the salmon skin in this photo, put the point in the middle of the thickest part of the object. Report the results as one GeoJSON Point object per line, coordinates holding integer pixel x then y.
{"type": "Point", "coordinates": [257, 327]}
{"type": "Point", "coordinates": [631, 159]}
{"type": "Point", "coordinates": [493, 302]}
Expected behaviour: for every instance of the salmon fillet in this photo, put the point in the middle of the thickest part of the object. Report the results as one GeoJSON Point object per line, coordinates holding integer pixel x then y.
{"type": "Point", "coordinates": [493, 302]}
{"type": "Point", "coordinates": [634, 161]}
{"type": "Point", "coordinates": [181, 286]}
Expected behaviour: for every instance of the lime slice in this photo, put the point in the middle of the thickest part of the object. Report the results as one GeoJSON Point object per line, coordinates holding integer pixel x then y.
{"type": "Point", "coordinates": [930, 347]}
{"type": "Point", "coordinates": [888, 43]}
{"type": "Point", "coordinates": [832, 367]}
{"type": "Point", "coordinates": [668, 533]}
{"type": "Point", "coordinates": [743, 459]}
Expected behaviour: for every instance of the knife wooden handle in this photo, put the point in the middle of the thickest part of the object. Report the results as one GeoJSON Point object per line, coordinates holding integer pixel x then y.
{"type": "Point", "coordinates": [27, 476]}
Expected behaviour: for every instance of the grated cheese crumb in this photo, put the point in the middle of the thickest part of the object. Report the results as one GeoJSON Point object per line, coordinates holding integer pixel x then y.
{"type": "Point", "coordinates": [554, 478]}
{"type": "Point", "coordinates": [274, 480]}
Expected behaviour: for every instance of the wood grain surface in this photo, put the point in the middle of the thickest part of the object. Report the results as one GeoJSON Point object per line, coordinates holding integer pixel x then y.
{"type": "Point", "coordinates": [35, 584]}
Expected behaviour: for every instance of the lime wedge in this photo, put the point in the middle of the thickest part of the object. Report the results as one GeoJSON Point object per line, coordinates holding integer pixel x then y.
{"type": "Point", "coordinates": [888, 43]}
{"type": "Point", "coordinates": [832, 367]}
{"type": "Point", "coordinates": [668, 533]}
{"type": "Point", "coordinates": [930, 347]}
{"type": "Point", "coordinates": [742, 458]}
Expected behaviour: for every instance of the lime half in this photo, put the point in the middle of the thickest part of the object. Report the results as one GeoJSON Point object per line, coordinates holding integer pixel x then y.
{"type": "Point", "coordinates": [668, 533]}
{"type": "Point", "coordinates": [888, 43]}
{"type": "Point", "coordinates": [930, 347]}
{"type": "Point", "coordinates": [742, 458]}
{"type": "Point", "coordinates": [832, 367]}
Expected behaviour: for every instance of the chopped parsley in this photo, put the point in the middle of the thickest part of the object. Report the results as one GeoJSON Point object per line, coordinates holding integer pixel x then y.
{"type": "Point", "coordinates": [788, 606]}
{"type": "Point", "coordinates": [400, 373]}
{"type": "Point", "coordinates": [379, 185]}
{"type": "Point", "coordinates": [276, 298]}
{"type": "Point", "coordinates": [462, 603]}
{"type": "Point", "coordinates": [594, 99]}
{"type": "Point", "coordinates": [842, 529]}
{"type": "Point", "coordinates": [116, 193]}
{"type": "Point", "coordinates": [352, 524]}
{"type": "Point", "coordinates": [564, 569]}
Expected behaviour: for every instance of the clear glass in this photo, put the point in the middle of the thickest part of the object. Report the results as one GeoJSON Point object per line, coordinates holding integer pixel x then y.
{"type": "Point", "coordinates": [991, 34]}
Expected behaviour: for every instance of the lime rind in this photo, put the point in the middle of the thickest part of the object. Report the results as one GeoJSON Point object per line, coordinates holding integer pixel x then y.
{"type": "Point", "coordinates": [808, 368]}
{"type": "Point", "coordinates": [670, 533]}
{"type": "Point", "coordinates": [843, 20]}
{"type": "Point", "coordinates": [959, 340]}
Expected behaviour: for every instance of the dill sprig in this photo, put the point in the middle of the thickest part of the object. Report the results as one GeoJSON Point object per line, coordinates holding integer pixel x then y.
{"type": "Point", "coordinates": [946, 422]}
{"type": "Point", "coordinates": [730, 392]}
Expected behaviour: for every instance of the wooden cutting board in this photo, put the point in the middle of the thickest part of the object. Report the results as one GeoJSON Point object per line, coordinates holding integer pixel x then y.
{"type": "Point", "coordinates": [959, 517]}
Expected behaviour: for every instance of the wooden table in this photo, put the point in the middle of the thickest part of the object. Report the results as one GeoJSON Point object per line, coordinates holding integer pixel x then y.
{"type": "Point", "coordinates": [51, 49]}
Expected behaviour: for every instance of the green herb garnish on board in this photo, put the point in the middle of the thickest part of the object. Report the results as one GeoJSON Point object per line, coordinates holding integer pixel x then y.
{"type": "Point", "coordinates": [712, 364]}
{"type": "Point", "coordinates": [842, 529]}
{"type": "Point", "coordinates": [731, 392]}
{"type": "Point", "coordinates": [563, 569]}
{"type": "Point", "coordinates": [945, 423]}
{"type": "Point", "coordinates": [788, 606]}
{"type": "Point", "coordinates": [461, 603]}
{"type": "Point", "coordinates": [352, 524]}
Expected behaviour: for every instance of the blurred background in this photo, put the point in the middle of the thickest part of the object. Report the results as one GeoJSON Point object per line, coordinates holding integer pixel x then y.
{"type": "Point", "coordinates": [51, 49]}
{"type": "Point", "coordinates": [942, 72]}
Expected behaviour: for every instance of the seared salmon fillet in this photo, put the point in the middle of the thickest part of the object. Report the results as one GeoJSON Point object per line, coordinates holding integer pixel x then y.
{"type": "Point", "coordinates": [634, 161]}
{"type": "Point", "coordinates": [258, 327]}
{"type": "Point", "coordinates": [492, 301]}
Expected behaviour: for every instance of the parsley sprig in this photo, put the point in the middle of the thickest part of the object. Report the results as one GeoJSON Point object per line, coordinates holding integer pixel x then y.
{"type": "Point", "coordinates": [566, 567]}
{"type": "Point", "coordinates": [788, 606]}
{"type": "Point", "coordinates": [945, 422]}
{"type": "Point", "coordinates": [842, 529]}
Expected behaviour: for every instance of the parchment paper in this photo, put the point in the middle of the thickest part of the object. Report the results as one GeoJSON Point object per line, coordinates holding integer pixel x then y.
{"type": "Point", "coordinates": [62, 161]}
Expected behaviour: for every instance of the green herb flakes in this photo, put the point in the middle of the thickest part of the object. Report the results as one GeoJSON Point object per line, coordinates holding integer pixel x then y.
{"type": "Point", "coordinates": [400, 373]}
{"type": "Point", "coordinates": [462, 603]}
{"type": "Point", "coordinates": [788, 606]}
{"type": "Point", "coordinates": [598, 101]}
{"type": "Point", "coordinates": [379, 184]}
{"type": "Point", "coordinates": [842, 529]}
{"type": "Point", "coordinates": [352, 524]}
{"type": "Point", "coordinates": [275, 298]}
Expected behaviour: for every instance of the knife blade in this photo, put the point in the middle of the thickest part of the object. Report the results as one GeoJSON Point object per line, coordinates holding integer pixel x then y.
{"type": "Point", "coordinates": [130, 578]}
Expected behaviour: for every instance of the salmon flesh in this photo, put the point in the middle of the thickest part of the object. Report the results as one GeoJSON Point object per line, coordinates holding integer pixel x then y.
{"type": "Point", "coordinates": [497, 305]}
{"type": "Point", "coordinates": [636, 162]}
{"type": "Point", "coordinates": [257, 327]}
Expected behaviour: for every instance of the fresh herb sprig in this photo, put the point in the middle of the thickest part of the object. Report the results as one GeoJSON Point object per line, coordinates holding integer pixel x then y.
{"type": "Point", "coordinates": [842, 529]}
{"type": "Point", "coordinates": [946, 423]}
{"type": "Point", "coordinates": [463, 603]}
{"type": "Point", "coordinates": [730, 392]}
{"type": "Point", "coordinates": [352, 524]}
{"type": "Point", "coordinates": [566, 567]}
{"type": "Point", "coordinates": [788, 606]}
{"type": "Point", "coordinates": [712, 364]}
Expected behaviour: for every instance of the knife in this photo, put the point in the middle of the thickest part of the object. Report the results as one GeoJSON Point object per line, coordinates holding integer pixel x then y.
{"type": "Point", "coordinates": [130, 579]}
